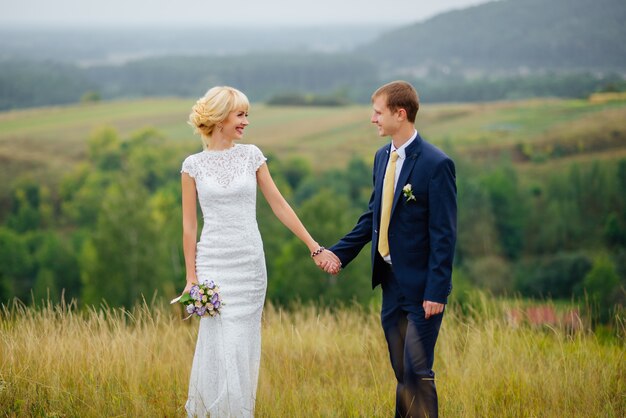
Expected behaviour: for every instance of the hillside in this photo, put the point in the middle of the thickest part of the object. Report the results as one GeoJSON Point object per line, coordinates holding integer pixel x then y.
{"type": "Point", "coordinates": [503, 50]}
{"type": "Point", "coordinates": [512, 35]}
{"type": "Point", "coordinates": [540, 187]}
{"type": "Point", "coordinates": [45, 142]}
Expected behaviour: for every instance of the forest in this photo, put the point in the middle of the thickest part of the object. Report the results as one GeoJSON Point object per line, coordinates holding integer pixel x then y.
{"type": "Point", "coordinates": [500, 50]}
{"type": "Point", "coordinates": [533, 221]}
{"type": "Point", "coordinates": [346, 78]}
{"type": "Point", "coordinates": [509, 35]}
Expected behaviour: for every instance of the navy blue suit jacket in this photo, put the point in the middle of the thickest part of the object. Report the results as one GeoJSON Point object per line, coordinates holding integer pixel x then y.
{"type": "Point", "coordinates": [422, 232]}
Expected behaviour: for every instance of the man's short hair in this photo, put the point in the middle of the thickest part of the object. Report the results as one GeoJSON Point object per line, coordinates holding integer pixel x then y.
{"type": "Point", "coordinates": [400, 95]}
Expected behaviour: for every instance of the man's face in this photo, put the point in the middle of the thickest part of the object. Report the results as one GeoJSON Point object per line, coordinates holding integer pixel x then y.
{"type": "Point", "coordinates": [386, 121]}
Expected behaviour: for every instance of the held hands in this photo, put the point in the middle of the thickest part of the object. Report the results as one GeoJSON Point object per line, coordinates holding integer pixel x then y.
{"type": "Point", "coordinates": [327, 261]}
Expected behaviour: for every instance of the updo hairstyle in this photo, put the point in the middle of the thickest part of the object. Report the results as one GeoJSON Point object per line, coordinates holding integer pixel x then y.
{"type": "Point", "coordinates": [213, 108]}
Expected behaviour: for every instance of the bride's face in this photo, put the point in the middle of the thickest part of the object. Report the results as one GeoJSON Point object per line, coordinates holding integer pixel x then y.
{"type": "Point", "coordinates": [235, 123]}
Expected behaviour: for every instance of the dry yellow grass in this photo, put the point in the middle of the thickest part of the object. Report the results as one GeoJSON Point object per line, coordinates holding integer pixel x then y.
{"type": "Point", "coordinates": [62, 362]}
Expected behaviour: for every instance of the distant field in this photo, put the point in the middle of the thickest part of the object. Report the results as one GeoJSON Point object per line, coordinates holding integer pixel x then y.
{"type": "Point", "coordinates": [47, 141]}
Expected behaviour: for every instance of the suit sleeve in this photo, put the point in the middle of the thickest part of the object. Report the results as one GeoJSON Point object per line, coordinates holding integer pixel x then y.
{"type": "Point", "coordinates": [348, 247]}
{"type": "Point", "coordinates": [442, 232]}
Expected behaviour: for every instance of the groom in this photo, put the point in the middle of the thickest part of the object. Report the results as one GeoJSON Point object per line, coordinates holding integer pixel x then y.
{"type": "Point", "coordinates": [411, 222]}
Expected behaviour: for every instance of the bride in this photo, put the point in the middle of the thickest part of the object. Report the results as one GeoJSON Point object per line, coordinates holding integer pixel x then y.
{"type": "Point", "coordinates": [223, 178]}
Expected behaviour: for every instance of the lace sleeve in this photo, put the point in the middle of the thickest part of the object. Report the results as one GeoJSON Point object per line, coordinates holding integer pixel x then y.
{"type": "Point", "coordinates": [189, 167]}
{"type": "Point", "coordinates": [257, 158]}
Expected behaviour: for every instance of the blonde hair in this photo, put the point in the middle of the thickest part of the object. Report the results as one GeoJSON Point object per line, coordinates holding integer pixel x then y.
{"type": "Point", "coordinates": [213, 108]}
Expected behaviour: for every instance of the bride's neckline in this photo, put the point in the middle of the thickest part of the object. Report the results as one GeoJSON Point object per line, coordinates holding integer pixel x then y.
{"type": "Point", "coordinates": [220, 151]}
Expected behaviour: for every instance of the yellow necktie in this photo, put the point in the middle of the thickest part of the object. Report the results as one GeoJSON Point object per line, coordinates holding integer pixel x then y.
{"type": "Point", "coordinates": [387, 202]}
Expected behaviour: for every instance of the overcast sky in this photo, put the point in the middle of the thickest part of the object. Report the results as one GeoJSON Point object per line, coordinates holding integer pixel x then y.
{"type": "Point", "coordinates": [223, 12]}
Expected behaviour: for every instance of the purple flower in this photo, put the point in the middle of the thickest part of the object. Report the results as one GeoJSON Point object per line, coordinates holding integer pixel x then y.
{"type": "Point", "coordinates": [204, 300]}
{"type": "Point", "coordinates": [194, 292]}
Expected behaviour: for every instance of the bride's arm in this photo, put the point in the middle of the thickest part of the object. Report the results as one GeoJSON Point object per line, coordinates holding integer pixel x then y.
{"type": "Point", "coordinates": [190, 228]}
{"type": "Point", "coordinates": [288, 217]}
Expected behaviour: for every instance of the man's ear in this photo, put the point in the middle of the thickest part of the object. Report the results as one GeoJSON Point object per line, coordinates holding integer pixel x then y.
{"type": "Point", "coordinates": [401, 114]}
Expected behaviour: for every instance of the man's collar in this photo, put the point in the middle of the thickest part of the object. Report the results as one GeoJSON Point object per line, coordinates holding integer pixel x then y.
{"type": "Point", "coordinates": [402, 150]}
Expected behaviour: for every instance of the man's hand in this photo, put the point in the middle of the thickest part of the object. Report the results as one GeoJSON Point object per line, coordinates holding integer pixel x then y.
{"type": "Point", "coordinates": [432, 308]}
{"type": "Point", "coordinates": [328, 262]}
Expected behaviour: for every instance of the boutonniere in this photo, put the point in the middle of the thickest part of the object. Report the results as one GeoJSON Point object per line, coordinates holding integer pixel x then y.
{"type": "Point", "coordinates": [407, 191]}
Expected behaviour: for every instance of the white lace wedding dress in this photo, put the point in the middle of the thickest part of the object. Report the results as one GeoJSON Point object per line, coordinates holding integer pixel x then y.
{"type": "Point", "coordinates": [225, 367]}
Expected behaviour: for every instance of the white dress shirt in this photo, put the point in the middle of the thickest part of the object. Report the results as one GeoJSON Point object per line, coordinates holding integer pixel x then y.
{"type": "Point", "coordinates": [401, 157]}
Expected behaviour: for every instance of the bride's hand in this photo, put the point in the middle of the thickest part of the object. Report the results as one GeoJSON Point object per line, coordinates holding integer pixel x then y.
{"type": "Point", "coordinates": [188, 286]}
{"type": "Point", "coordinates": [328, 262]}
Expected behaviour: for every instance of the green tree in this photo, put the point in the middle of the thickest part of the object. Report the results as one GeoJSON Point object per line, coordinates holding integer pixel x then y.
{"type": "Point", "coordinates": [81, 190]}
{"type": "Point", "coordinates": [295, 277]}
{"type": "Point", "coordinates": [32, 206]}
{"type": "Point", "coordinates": [54, 264]}
{"type": "Point", "coordinates": [81, 195]}
{"type": "Point", "coordinates": [15, 265]}
{"type": "Point", "coordinates": [91, 97]}
{"type": "Point", "coordinates": [491, 273]}
{"type": "Point", "coordinates": [105, 149]}
{"type": "Point", "coordinates": [557, 275]}
{"type": "Point", "coordinates": [166, 214]}
{"type": "Point", "coordinates": [476, 233]}
{"type": "Point", "coordinates": [358, 176]}
{"type": "Point", "coordinates": [295, 170]}
{"type": "Point", "coordinates": [355, 183]}
{"type": "Point", "coordinates": [614, 232]}
{"type": "Point", "coordinates": [146, 156]}
{"type": "Point", "coordinates": [274, 233]}
{"type": "Point", "coordinates": [621, 174]}
{"type": "Point", "coordinates": [507, 203]}
{"type": "Point", "coordinates": [602, 281]}
{"type": "Point", "coordinates": [45, 289]}
{"type": "Point", "coordinates": [602, 285]}
{"type": "Point", "coordinates": [125, 257]}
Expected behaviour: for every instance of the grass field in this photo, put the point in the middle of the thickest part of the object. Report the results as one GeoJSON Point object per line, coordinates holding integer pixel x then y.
{"type": "Point", "coordinates": [46, 142]}
{"type": "Point", "coordinates": [56, 361]}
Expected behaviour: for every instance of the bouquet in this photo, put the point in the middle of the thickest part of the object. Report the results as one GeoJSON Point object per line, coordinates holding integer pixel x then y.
{"type": "Point", "coordinates": [202, 300]}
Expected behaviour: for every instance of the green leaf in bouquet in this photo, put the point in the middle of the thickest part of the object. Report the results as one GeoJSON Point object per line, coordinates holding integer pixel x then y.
{"type": "Point", "coordinates": [185, 298]}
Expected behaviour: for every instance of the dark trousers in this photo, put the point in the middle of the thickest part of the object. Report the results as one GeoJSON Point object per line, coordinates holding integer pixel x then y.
{"type": "Point", "coordinates": [411, 342]}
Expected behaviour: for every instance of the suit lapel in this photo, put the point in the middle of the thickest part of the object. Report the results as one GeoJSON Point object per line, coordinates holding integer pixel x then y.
{"type": "Point", "coordinates": [412, 152]}
{"type": "Point", "coordinates": [380, 178]}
